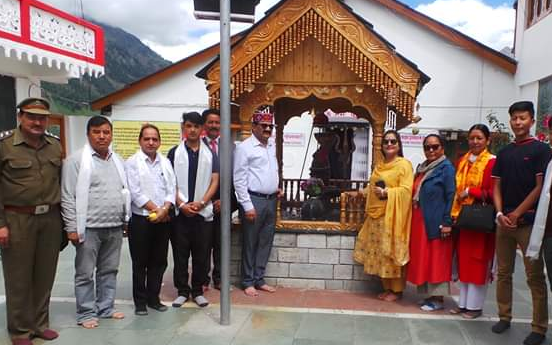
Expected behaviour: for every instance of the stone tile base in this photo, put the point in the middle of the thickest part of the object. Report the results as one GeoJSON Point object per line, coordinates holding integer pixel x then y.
{"type": "Point", "coordinates": [309, 261]}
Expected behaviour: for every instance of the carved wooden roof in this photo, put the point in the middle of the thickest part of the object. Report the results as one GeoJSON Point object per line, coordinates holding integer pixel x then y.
{"type": "Point", "coordinates": [372, 59]}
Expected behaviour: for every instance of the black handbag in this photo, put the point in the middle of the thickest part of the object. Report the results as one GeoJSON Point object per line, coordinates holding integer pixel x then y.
{"type": "Point", "coordinates": [478, 217]}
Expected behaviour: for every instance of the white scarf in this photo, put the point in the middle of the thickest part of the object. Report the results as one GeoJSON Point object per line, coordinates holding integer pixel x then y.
{"type": "Point", "coordinates": [83, 186]}
{"type": "Point", "coordinates": [146, 181]}
{"type": "Point", "coordinates": [537, 233]}
{"type": "Point", "coordinates": [203, 176]}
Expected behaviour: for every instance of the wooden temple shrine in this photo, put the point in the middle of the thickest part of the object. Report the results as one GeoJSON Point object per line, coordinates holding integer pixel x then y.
{"type": "Point", "coordinates": [314, 55]}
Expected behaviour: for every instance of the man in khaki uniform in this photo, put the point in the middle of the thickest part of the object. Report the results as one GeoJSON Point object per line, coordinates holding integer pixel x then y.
{"type": "Point", "coordinates": [30, 220]}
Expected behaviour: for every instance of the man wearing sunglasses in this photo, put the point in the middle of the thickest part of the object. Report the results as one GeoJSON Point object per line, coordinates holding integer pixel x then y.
{"type": "Point", "coordinates": [256, 184]}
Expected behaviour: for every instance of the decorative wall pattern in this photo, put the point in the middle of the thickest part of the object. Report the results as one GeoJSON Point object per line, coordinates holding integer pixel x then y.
{"type": "Point", "coordinates": [10, 17]}
{"type": "Point", "coordinates": [49, 29]}
{"type": "Point", "coordinates": [32, 32]}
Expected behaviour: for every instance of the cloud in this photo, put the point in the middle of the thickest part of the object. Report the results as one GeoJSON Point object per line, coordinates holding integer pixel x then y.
{"type": "Point", "coordinates": [492, 26]}
{"type": "Point", "coordinates": [169, 26]}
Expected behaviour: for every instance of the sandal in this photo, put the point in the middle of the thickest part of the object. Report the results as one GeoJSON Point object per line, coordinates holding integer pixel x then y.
{"type": "Point", "coordinates": [432, 306]}
{"type": "Point", "coordinates": [383, 295]}
{"type": "Point", "coordinates": [392, 296]}
{"type": "Point", "coordinates": [472, 314]}
{"type": "Point", "coordinates": [458, 310]}
{"type": "Point", "coordinates": [423, 301]}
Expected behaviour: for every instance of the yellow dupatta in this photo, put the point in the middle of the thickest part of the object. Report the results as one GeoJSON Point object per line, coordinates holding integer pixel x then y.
{"type": "Point", "coordinates": [397, 208]}
{"type": "Point", "coordinates": [469, 176]}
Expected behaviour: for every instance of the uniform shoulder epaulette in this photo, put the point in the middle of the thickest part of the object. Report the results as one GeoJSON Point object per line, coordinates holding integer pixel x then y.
{"type": "Point", "coordinates": [52, 135]}
{"type": "Point", "coordinates": [6, 134]}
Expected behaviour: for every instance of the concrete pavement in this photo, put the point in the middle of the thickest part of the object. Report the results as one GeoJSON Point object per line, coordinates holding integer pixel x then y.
{"type": "Point", "coordinates": [291, 316]}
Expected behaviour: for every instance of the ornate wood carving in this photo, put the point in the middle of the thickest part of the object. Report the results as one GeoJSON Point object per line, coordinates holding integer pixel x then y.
{"type": "Point", "coordinates": [378, 128]}
{"type": "Point", "coordinates": [342, 34]}
{"type": "Point", "coordinates": [267, 94]}
{"type": "Point", "coordinates": [351, 216]}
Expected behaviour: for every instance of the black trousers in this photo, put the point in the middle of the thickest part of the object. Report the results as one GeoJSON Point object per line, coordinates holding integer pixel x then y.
{"type": "Point", "coordinates": [149, 244]}
{"type": "Point", "coordinates": [191, 236]}
{"type": "Point", "coordinates": [215, 247]}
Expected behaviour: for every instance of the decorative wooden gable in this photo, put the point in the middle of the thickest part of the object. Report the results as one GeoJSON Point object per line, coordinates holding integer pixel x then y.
{"type": "Point", "coordinates": [326, 23]}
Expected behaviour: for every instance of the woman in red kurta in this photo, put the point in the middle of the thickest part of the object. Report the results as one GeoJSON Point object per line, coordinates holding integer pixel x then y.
{"type": "Point", "coordinates": [474, 250]}
{"type": "Point", "coordinates": [431, 245]}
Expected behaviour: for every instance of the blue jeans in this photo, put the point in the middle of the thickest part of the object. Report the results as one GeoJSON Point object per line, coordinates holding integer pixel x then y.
{"type": "Point", "coordinates": [257, 241]}
{"type": "Point", "coordinates": [99, 253]}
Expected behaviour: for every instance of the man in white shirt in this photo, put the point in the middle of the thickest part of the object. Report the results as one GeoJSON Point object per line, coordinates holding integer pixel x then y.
{"type": "Point", "coordinates": [256, 183]}
{"type": "Point", "coordinates": [95, 205]}
{"type": "Point", "coordinates": [152, 188]}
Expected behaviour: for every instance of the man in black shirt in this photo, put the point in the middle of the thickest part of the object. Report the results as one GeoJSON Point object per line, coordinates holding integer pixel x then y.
{"type": "Point", "coordinates": [518, 176]}
{"type": "Point", "coordinates": [196, 169]}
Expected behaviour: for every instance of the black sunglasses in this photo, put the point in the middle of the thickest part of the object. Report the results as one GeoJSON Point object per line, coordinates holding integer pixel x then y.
{"type": "Point", "coordinates": [266, 125]}
{"type": "Point", "coordinates": [390, 141]}
{"type": "Point", "coordinates": [433, 147]}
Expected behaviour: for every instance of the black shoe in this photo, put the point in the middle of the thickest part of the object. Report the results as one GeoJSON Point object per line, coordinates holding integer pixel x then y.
{"type": "Point", "coordinates": [158, 306]}
{"type": "Point", "coordinates": [141, 311]}
{"type": "Point", "coordinates": [500, 326]}
{"type": "Point", "coordinates": [534, 338]}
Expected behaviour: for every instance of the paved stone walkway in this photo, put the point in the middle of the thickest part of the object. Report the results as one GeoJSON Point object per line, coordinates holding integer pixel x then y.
{"type": "Point", "coordinates": [291, 316]}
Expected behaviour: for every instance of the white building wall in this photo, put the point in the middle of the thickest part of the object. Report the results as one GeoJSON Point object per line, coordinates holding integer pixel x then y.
{"type": "Point", "coordinates": [463, 89]}
{"type": "Point", "coordinates": [533, 49]}
{"type": "Point", "coordinates": [75, 132]}
{"type": "Point", "coordinates": [26, 87]}
{"type": "Point", "coordinates": [167, 100]}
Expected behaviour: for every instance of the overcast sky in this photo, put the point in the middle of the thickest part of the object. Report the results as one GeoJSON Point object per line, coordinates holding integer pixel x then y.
{"type": "Point", "coordinates": [170, 29]}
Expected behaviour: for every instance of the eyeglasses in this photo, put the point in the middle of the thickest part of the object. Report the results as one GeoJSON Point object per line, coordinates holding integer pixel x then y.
{"type": "Point", "coordinates": [433, 147]}
{"type": "Point", "coordinates": [390, 141]}
{"type": "Point", "coordinates": [266, 125]}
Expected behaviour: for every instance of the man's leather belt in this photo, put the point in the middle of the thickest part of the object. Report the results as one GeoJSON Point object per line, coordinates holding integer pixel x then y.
{"type": "Point", "coordinates": [34, 210]}
{"type": "Point", "coordinates": [264, 196]}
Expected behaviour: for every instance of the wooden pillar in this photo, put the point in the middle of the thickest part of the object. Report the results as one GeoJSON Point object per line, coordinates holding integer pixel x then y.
{"type": "Point", "coordinates": [245, 121]}
{"type": "Point", "coordinates": [377, 136]}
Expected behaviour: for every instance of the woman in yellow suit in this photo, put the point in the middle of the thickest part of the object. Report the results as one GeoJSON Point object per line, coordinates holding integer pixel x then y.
{"type": "Point", "coordinates": [383, 242]}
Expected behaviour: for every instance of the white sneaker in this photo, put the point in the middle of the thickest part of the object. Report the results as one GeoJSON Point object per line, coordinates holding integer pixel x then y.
{"type": "Point", "coordinates": [201, 301]}
{"type": "Point", "coordinates": [179, 301]}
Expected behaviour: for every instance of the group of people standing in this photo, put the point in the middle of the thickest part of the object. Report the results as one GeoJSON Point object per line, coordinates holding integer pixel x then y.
{"type": "Point", "coordinates": [408, 232]}
{"type": "Point", "coordinates": [94, 197]}
{"type": "Point", "coordinates": [407, 235]}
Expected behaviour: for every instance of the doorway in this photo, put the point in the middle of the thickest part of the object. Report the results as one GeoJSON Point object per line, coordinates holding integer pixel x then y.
{"type": "Point", "coordinates": [7, 103]}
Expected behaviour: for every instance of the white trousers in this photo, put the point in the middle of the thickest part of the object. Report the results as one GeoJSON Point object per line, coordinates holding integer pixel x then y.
{"type": "Point", "coordinates": [472, 296]}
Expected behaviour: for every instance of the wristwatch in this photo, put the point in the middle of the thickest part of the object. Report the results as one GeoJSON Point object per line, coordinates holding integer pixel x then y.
{"type": "Point", "coordinates": [498, 214]}
{"type": "Point", "coordinates": [202, 203]}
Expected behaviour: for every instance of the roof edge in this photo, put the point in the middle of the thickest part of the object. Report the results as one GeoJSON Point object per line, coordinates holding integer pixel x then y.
{"type": "Point", "coordinates": [155, 77]}
{"type": "Point", "coordinates": [475, 47]}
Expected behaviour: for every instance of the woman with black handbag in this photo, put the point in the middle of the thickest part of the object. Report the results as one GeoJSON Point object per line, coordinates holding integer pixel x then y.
{"type": "Point", "coordinates": [475, 245]}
